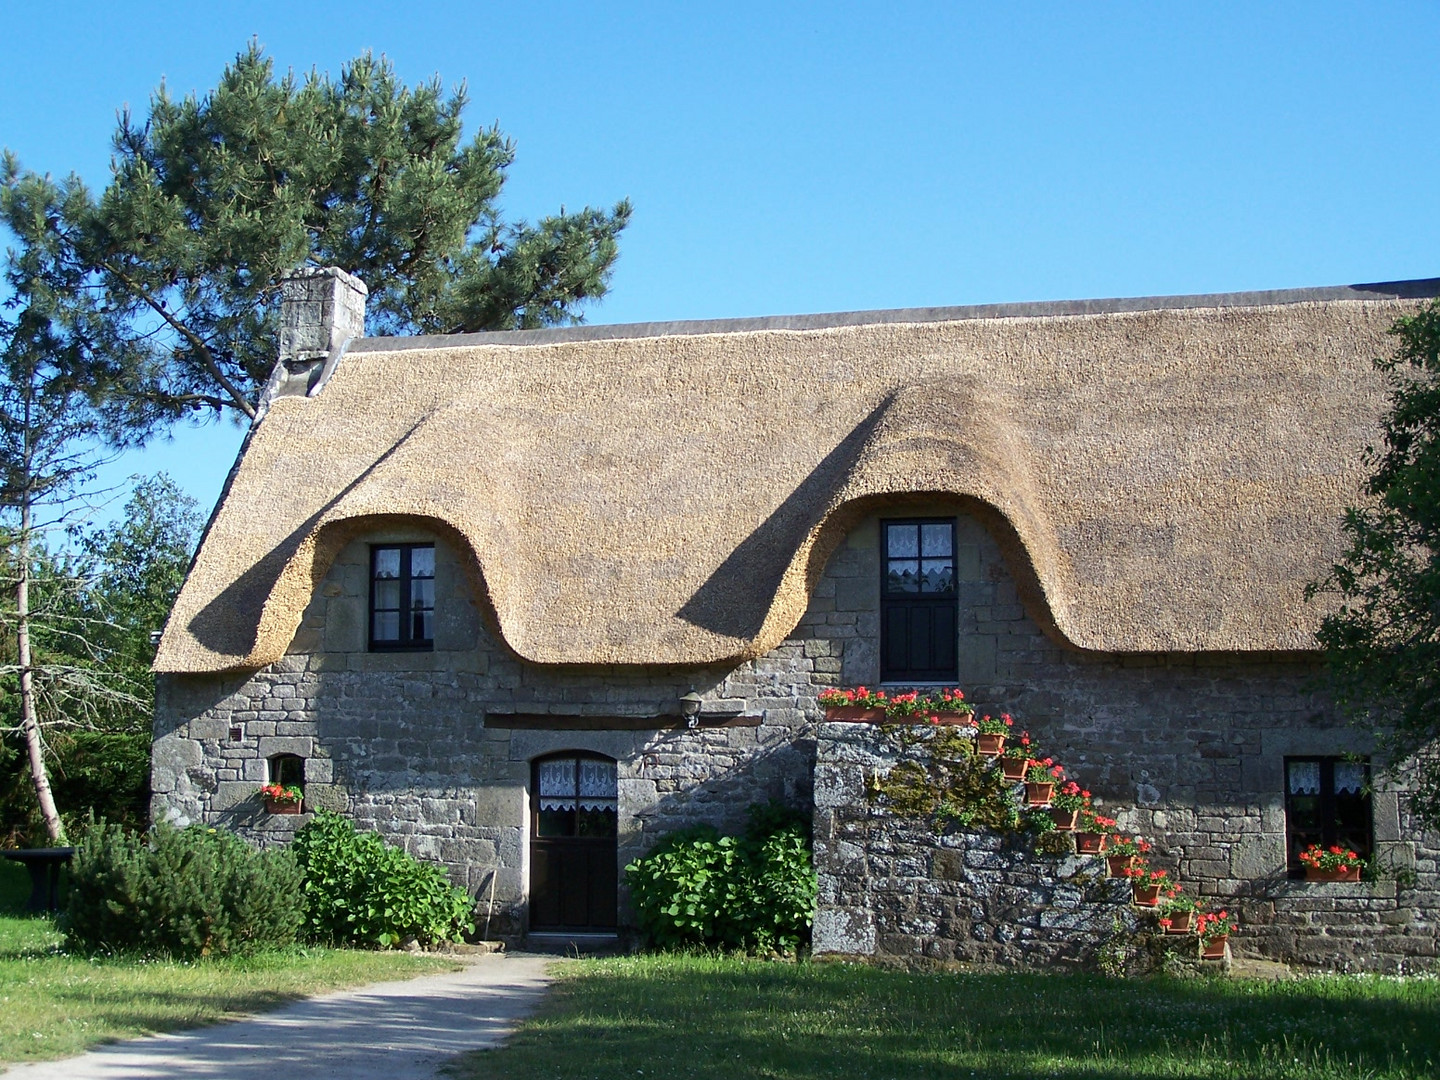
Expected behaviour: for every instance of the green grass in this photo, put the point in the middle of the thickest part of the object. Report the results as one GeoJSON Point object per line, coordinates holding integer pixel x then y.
{"type": "Point", "coordinates": [53, 1005]}
{"type": "Point", "coordinates": [658, 1017]}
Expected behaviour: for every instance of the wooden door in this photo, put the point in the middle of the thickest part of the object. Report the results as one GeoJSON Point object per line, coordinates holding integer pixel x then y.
{"type": "Point", "coordinates": [573, 826]}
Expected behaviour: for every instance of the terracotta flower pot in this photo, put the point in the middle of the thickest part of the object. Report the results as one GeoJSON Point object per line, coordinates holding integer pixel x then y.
{"type": "Point", "coordinates": [1013, 768]}
{"type": "Point", "coordinates": [1344, 873]}
{"type": "Point", "coordinates": [1038, 794]}
{"type": "Point", "coordinates": [282, 806]}
{"type": "Point", "coordinates": [1090, 843]}
{"type": "Point", "coordinates": [853, 714]}
{"type": "Point", "coordinates": [1214, 949]}
{"type": "Point", "coordinates": [1145, 895]}
{"type": "Point", "coordinates": [1120, 863]}
{"type": "Point", "coordinates": [989, 745]}
{"type": "Point", "coordinates": [1064, 819]}
{"type": "Point", "coordinates": [951, 719]}
{"type": "Point", "coordinates": [1180, 922]}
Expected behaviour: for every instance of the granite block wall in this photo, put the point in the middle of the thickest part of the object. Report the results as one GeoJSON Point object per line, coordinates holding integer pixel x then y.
{"type": "Point", "coordinates": [427, 747]}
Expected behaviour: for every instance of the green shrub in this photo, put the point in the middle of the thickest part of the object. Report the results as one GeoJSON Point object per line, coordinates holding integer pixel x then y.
{"type": "Point", "coordinates": [363, 891]}
{"type": "Point", "coordinates": [757, 891]}
{"type": "Point", "coordinates": [179, 892]}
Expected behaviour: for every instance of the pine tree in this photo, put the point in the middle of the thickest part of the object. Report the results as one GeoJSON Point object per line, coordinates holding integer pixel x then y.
{"type": "Point", "coordinates": [213, 197]}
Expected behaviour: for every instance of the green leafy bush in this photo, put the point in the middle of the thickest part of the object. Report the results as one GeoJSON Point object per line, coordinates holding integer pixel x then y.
{"type": "Point", "coordinates": [179, 892]}
{"type": "Point", "coordinates": [757, 891]}
{"type": "Point", "coordinates": [361, 890]}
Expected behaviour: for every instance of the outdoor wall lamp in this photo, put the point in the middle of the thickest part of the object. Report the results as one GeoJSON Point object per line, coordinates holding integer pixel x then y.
{"type": "Point", "coordinates": [690, 708]}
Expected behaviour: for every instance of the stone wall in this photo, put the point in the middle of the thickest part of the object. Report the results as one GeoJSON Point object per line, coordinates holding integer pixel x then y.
{"type": "Point", "coordinates": [1187, 750]}
{"type": "Point", "coordinates": [903, 889]}
{"type": "Point", "coordinates": [426, 747]}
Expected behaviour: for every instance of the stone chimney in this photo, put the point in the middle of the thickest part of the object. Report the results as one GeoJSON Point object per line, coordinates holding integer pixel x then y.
{"type": "Point", "coordinates": [322, 309]}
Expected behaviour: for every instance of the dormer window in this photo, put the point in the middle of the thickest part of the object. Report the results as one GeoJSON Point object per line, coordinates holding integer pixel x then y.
{"type": "Point", "coordinates": [402, 596]}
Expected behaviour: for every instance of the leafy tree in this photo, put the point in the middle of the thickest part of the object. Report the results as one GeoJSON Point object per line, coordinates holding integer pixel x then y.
{"type": "Point", "coordinates": [1382, 644]}
{"type": "Point", "coordinates": [99, 606]}
{"type": "Point", "coordinates": [213, 197]}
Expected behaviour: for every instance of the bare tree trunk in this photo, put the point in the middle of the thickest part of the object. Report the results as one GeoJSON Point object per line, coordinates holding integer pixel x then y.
{"type": "Point", "coordinates": [29, 718]}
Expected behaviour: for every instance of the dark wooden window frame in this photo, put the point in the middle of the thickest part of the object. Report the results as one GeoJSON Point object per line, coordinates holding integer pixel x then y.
{"type": "Point", "coordinates": [406, 642]}
{"type": "Point", "coordinates": [1329, 829]}
{"type": "Point", "coordinates": [888, 674]}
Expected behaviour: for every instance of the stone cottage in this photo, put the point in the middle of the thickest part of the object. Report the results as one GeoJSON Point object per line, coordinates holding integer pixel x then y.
{"type": "Point", "coordinates": [525, 601]}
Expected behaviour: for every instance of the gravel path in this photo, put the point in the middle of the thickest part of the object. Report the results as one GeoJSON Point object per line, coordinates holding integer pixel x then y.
{"type": "Point", "coordinates": [388, 1031]}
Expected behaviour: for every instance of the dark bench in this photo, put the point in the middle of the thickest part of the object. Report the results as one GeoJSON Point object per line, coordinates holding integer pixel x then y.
{"type": "Point", "coordinates": [44, 866]}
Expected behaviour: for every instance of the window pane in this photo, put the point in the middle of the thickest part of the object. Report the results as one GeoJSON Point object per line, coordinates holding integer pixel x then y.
{"type": "Point", "coordinates": [422, 562]}
{"type": "Point", "coordinates": [904, 576]}
{"type": "Point", "coordinates": [1349, 777]}
{"type": "Point", "coordinates": [596, 822]}
{"type": "Point", "coordinates": [555, 823]}
{"type": "Point", "coordinates": [1304, 777]}
{"type": "Point", "coordinates": [597, 779]}
{"type": "Point", "coordinates": [937, 576]}
{"type": "Point", "coordinates": [422, 626]}
{"type": "Point", "coordinates": [387, 595]}
{"type": "Point", "coordinates": [422, 593]}
{"type": "Point", "coordinates": [902, 541]}
{"type": "Point", "coordinates": [557, 778]}
{"type": "Point", "coordinates": [387, 626]}
{"type": "Point", "coordinates": [287, 770]}
{"type": "Point", "coordinates": [935, 539]}
{"type": "Point", "coordinates": [387, 562]}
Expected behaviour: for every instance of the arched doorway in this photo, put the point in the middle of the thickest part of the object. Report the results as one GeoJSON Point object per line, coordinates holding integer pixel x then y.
{"type": "Point", "coordinates": [573, 826]}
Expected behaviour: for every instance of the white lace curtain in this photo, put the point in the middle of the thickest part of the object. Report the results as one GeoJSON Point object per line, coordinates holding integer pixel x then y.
{"type": "Point", "coordinates": [569, 782]}
{"type": "Point", "coordinates": [1304, 778]}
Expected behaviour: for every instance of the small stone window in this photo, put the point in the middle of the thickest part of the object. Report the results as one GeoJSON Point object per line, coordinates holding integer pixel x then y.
{"type": "Point", "coordinates": [918, 602]}
{"type": "Point", "coordinates": [402, 597]}
{"type": "Point", "coordinates": [287, 770]}
{"type": "Point", "coordinates": [1327, 801]}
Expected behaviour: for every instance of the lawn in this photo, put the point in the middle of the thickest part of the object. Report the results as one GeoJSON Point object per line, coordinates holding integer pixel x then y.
{"type": "Point", "coordinates": [651, 1018]}
{"type": "Point", "coordinates": [53, 1005]}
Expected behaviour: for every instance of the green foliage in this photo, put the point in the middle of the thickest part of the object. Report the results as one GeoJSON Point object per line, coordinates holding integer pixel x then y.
{"type": "Point", "coordinates": [1382, 645]}
{"type": "Point", "coordinates": [92, 621]}
{"type": "Point", "coordinates": [952, 784]}
{"type": "Point", "coordinates": [214, 196]}
{"type": "Point", "coordinates": [756, 891]}
{"type": "Point", "coordinates": [363, 891]}
{"type": "Point", "coordinates": [180, 892]}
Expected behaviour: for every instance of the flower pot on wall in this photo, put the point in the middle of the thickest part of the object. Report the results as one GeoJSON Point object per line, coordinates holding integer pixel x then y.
{"type": "Point", "coordinates": [1343, 873]}
{"type": "Point", "coordinates": [1090, 843]}
{"type": "Point", "coordinates": [1145, 895]}
{"type": "Point", "coordinates": [1064, 819]}
{"type": "Point", "coordinates": [1013, 768]}
{"type": "Point", "coordinates": [1214, 949]}
{"type": "Point", "coordinates": [1120, 863]}
{"type": "Point", "coordinates": [1180, 922]}
{"type": "Point", "coordinates": [853, 714]}
{"type": "Point", "coordinates": [1038, 794]}
{"type": "Point", "coordinates": [951, 719]}
{"type": "Point", "coordinates": [989, 745]}
{"type": "Point", "coordinates": [282, 806]}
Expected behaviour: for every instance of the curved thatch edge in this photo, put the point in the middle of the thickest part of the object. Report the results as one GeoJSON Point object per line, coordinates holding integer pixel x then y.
{"type": "Point", "coordinates": [306, 569]}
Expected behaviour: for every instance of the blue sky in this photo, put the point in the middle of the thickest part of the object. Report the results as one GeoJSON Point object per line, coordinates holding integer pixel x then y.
{"type": "Point", "coordinates": [825, 157]}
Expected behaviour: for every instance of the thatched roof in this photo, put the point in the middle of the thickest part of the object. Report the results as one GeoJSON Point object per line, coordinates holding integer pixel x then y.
{"type": "Point", "coordinates": [1169, 473]}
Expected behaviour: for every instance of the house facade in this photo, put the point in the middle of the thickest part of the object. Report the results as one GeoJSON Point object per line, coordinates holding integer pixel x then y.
{"type": "Point", "coordinates": [524, 602]}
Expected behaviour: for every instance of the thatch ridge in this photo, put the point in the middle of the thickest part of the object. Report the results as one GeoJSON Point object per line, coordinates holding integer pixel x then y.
{"type": "Point", "coordinates": [1173, 475]}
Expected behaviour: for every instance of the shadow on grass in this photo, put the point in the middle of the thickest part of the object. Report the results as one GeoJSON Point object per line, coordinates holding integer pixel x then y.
{"type": "Point", "coordinates": [663, 1017]}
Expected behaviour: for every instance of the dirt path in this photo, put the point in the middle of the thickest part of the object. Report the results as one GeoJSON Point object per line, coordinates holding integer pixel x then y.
{"type": "Point", "coordinates": [387, 1031]}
